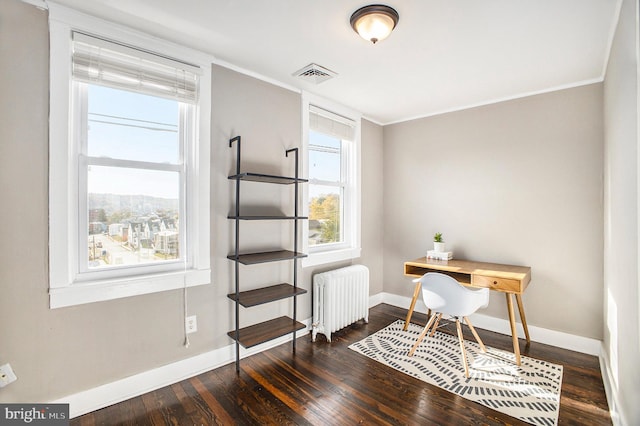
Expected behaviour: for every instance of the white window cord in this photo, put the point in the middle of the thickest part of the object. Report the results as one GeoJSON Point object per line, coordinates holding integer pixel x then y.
{"type": "Point", "coordinates": [185, 306]}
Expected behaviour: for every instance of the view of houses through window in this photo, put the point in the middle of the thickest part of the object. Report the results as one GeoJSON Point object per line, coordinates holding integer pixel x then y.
{"type": "Point", "coordinates": [137, 229]}
{"type": "Point", "coordinates": [133, 173]}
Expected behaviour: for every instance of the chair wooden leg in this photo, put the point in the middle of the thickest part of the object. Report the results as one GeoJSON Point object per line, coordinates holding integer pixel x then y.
{"type": "Point", "coordinates": [416, 293]}
{"type": "Point", "coordinates": [464, 354]}
{"type": "Point", "coordinates": [473, 330]}
{"type": "Point", "coordinates": [424, 333]}
{"type": "Point", "coordinates": [435, 326]}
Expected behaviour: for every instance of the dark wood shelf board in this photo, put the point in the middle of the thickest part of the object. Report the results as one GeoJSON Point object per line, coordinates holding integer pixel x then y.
{"type": "Point", "coordinates": [266, 217]}
{"type": "Point", "coordinates": [265, 257]}
{"type": "Point", "coordinates": [259, 177]}
{"type": "Point", "coordinates": [265, 331]}
{"type": "Point", "coordinates": [267, 294]}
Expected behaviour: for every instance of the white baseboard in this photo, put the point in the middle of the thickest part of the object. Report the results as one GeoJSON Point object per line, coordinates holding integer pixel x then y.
{"type": "Point", "coordinates": [376, 299]}
{"type": "Point", "coordinates": [617, 415]}
{"type": "Point", "coordinates": [138, 384]}
{"type": "Point", "coordinates": [538, 334]}
{"type": "Point", "coordinates": [111, 393]}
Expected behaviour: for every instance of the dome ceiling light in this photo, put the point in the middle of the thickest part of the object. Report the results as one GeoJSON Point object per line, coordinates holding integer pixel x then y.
{"type": "Point", "coordinates": [374, 22]}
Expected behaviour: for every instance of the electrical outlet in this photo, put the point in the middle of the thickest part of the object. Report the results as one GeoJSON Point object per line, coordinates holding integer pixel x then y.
{"type": "Point", "coordinates": [191, 324]}
{"type": "Point", "coordinates": [6, 375]}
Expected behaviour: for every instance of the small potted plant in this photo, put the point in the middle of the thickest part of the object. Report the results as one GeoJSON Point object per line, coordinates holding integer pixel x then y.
{"type": "Point", "coordinates": [438, 243]}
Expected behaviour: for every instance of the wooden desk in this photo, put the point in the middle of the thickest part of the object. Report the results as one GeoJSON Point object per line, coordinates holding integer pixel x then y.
{"type": "Point", "coordinates": [504, 278]}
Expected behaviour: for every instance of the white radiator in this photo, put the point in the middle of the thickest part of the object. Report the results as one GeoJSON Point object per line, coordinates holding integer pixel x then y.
{"type": "Point", "coordinates": [340, 298]}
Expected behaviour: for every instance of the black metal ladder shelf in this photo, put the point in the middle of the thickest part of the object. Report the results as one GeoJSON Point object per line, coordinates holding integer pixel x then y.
{"type": "Point", "coordinates": [263, 332]}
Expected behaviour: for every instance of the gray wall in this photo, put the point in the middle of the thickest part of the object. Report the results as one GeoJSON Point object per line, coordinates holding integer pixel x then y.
{"type": "Point", "coordinates": [517, 182]}
{"type": "Point", "coordinates": [621, 304]}
{"type": "Point", "coordinates": [268, 119]}
{"type": "Point", "coordinates": [372, 205]}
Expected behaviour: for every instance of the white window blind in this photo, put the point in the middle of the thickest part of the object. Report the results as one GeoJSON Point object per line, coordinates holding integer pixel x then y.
{"type": "Point", "coordinates": [332, 124]}
{"type": "Point", "coordinates": [114, 65]}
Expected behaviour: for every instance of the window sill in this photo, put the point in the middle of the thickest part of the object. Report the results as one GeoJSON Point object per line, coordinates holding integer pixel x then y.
{"type": "Point", "coordinates": [324, 257]}
{"type": "Point", "coordinates": [98, 291]}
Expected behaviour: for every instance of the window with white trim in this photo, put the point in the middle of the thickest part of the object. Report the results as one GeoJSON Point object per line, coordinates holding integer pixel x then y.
{"type": "Point", "coordinates": [332, 151]}
{"type": "Point", "coordinates": [129, 163]}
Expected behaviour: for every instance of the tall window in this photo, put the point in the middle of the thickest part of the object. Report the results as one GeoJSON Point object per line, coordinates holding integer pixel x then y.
{"type": "Point", "coordinates": [133, 117]}
{"type": "Point", "coordinates": [332, 148]}
{"type": "Point", "coordinates": [129, 165]}
{"type": "Point", "coordinates": [326, 190]}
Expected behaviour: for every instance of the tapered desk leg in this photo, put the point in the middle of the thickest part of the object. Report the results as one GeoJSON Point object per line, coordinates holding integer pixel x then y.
{"type": "Point", "coordinates": [514, 333]}
{"type": "Point", "coordinates": [416, 293]}
{"type": "Point", "coordinates": [522, 317]}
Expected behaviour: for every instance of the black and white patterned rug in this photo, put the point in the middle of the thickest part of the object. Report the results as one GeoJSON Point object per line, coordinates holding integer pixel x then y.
{"type": "Point", "coordinates": [529, 392]}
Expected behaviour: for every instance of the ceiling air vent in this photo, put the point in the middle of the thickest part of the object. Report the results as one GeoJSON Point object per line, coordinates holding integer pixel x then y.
{"type": "Point", "coordinates": [314, 73]}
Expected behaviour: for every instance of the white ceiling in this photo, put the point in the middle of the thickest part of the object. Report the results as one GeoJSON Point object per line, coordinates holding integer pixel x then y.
{"type": "Point", "coordinates": [444, 55]}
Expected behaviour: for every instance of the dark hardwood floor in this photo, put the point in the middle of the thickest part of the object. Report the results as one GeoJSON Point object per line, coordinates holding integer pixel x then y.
{"type": "Point", "coordinates": [329, 384]}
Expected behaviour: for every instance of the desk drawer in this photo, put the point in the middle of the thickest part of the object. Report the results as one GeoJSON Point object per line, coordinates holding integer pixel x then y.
{"type": "Point", "coordinates": [494, 283]}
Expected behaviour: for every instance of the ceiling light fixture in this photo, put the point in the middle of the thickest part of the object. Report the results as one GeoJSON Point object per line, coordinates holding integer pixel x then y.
{"type": "Point", "coordinates": [374, 22]}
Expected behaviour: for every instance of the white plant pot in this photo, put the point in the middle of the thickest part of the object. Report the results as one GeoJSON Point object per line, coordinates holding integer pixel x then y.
{"type": "Point", "coordinates": [439, 247]}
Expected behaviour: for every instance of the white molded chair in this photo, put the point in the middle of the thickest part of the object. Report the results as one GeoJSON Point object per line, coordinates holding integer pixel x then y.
{"type": "Point", "coordinates": [443, 295]}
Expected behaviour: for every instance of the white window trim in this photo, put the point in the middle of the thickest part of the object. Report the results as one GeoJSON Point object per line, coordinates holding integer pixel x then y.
{"type": "Point", "coordinates": [64, 288]}
{"type": "Point", "coordinates": [351, 247]}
